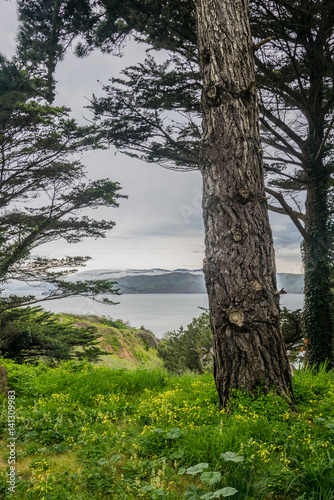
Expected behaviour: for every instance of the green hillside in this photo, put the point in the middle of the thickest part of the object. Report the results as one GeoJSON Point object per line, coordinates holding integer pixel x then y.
{"type": "Point", "coordinates": [129, 347]}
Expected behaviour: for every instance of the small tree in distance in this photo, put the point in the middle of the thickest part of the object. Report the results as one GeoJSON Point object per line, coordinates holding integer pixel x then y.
{"type": "Point", "coordinates": [190, 348]}
{"type": "Point", "coordinates": [30, 335]}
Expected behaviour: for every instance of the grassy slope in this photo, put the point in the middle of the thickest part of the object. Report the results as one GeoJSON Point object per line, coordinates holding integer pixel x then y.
{"type": "Point", "coordinates": [88, 432]}
{"type": "Point", "coordinates": [129, 347]}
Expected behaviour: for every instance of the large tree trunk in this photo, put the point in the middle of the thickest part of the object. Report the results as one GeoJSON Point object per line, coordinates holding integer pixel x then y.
{"type": "Point", "coordinates": [239, 268]}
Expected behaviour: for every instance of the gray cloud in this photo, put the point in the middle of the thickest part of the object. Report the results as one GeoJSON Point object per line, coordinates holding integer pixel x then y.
{"type": "Point", "coordinates": [160, 225]}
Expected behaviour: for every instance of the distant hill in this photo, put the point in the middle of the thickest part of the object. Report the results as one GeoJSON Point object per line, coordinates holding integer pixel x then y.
{"type": "Point", "coordinates": [186, 282]}
{"type": "Point", "coordinates": [128, 347]}
{"type": "Point", "coordinates": [292, 283]}
{"type": "Point", "coordinates": [174, 282]}
{"type": "Point", "coordinates": [163, 281]}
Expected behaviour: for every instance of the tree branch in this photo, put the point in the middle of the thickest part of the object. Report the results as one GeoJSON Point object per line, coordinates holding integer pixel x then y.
{"type": "Point", "coordinates": [283, 126]}
{"type": "Point", "coordinates": [287, 210]}
{"type": "Point", "coordinates": [287, 148]}
{"type": "Point", "coordinates": [259, 44]}
{"type": "Point", "coordinates": [325, 138]}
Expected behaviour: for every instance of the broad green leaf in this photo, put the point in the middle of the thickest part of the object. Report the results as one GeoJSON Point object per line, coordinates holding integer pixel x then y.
{"type": "Point", "coordinates": [229, 456]}
{"type": "Point", "coordinates": [158, 430]}
{"type": "Point", "coordinates": [169, 472]}
{"type": "Point", "coordinates": [193, 493]}
{"type": "Point", "coordinates": [158, 493]}
{"type": "Point", "coordinates": [182, 470]}
{"type": "Point", "coordinates": [174, 433]}
{"type": "Point", "coordinates": [197, 469]}
{"type": "Point", "coordinates": [225, 492]}
{"type": "Point", "coordinates": [208, 496]}
{"type": "Point", "coordinates": [177, 455]}
{"type": "Point", "coordinates": [147, 488]}
{"type": "Point", "coordinates": [102, 461]}
{"type": "Point", "coordinates": [211, 477]}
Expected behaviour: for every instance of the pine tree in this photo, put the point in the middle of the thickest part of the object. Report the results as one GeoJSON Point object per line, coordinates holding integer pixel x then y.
{"type": "Point", "coordinates": [248, 344]}
{"type": "Point", "coordinates": [293, 52]}
{"type": "Point", "coordinates": [31, 335]}
{"type": "Point", "coordinates": [42, 191]}
{"type": "Point", "coordinates": [295, 78]}
{"type": "Point", "coordinates": [239, 266]}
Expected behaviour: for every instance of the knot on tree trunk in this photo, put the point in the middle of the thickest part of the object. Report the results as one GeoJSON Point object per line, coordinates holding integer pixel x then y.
{"type": "Point", "coordinates": [213, 94]}
{"type": "Point", "coordinates": [236, 317]}
{"type": "Point", "coordinates": [243, 195]}
{"type": "Point", "coordinates": [257, 286]}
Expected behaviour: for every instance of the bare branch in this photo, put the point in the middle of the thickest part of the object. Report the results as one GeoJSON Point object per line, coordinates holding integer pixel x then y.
{"type": "Point", "coordinates": [283, 126]}
{"type": "Point", "coordinates": [287, 148]}
{"type": "Point", "coordinates": [283, 160]}
{"type": "Point", "coordinates": [259, 44]}
{"type": "Point", "coordinates": [287, 210]}
{"type": "Point", "coordinates": [325, 138]}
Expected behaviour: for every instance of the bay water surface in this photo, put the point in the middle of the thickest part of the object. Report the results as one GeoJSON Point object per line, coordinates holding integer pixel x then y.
{"type": "Point", "coordinates": [159, 313]}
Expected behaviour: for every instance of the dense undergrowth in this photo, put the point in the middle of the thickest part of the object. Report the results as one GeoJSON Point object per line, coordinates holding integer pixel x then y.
{"type": "Point", "coordinates": [91, 432]}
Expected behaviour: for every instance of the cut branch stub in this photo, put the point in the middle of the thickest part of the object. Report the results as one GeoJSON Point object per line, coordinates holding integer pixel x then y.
{"type": "Point", "coordinates": [236, 317]}
{"type": "Point", "coordinates": [243, 195]}
{"type": "Point", "coordinates": [257, 286]}
{"type": "Point", "coordinates": [211, 92]}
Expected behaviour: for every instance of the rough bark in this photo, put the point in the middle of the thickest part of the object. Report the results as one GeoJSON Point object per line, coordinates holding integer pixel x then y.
{"type": "Point", "coordinates": [239, 268]}
{"type": "Point", "coordinates": [3, 381]}
{"type": "Point", "coordinates": [318, 321]}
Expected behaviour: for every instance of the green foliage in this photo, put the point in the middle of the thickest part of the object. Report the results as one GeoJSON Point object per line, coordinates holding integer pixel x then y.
{"type": "Point", "coordinates": [38, 143]}
{"type": "Point", "coordinates": [32, 335]}
{"type": "Point", "coordinates": [191, 348]}
{"type": "Point", "coordinates": [133, 115]}
{"type": "Point", "coordinates": [81, 434]}
{"type": "Point", "coordinates": [148, 339]}
{"type": "Point", "coordinates": [292, 329]}
{"type": "Point", "coordinates": [47, 28]}
{"type": "Point", "coordinates": [188, 349]}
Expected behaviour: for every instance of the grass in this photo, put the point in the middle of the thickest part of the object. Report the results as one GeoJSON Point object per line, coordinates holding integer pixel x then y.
{"type": "Point", "coordinates": [128, 346]}
{"type": "Point", "coordinates": [87, 431]}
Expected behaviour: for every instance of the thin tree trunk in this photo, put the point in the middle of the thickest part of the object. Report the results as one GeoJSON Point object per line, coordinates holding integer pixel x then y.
{"type": "Point", "coordinates": [239, 268]}
{"type": "Point", "coordinates": [51, 61]}
{"type": "Point", "coordinates": [318, 298]}
{"type": "Point", "coordinates": [318, 321]}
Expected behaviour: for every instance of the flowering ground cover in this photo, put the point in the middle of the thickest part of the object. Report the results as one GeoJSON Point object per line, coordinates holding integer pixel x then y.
{"type": "Point", "coordinates": [92, 432]}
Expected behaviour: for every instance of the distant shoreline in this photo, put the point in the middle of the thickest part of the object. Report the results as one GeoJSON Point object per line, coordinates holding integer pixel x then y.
{"type": "Point", "coordinates": [156, 281]}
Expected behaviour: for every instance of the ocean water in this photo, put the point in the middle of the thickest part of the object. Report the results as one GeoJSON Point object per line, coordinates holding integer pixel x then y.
{"type": "Point", "coordinates": [159, 313]}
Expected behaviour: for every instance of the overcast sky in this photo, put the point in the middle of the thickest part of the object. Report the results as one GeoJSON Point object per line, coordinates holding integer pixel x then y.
{"type": "Point", "coordinates": [160, 224]}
